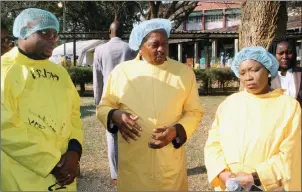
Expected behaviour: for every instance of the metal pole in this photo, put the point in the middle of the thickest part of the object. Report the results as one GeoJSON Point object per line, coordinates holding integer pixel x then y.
{"type": "Point", "coordinates": [64, 25]}
{"type": "Point", "coordinates": [74, 50]}
{"type": "Point", "coordinates": [194, 55]}
{"type": "Point", "coordinates": [208, 62]}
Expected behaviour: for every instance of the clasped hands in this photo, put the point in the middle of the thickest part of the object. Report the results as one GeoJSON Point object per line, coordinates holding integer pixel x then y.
{"type": "Point", "coordinates": [66, 170]}
{"type": "Point", "coordinates": [244, 178]}
{"type": "Point", "coordinates": [129, 129]}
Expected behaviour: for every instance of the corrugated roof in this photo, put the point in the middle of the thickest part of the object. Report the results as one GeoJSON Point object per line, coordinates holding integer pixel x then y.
{"type": "Point", "coordinates": [173, 41]}
{"type": "Point", "coordinates": [208, 5]}
{"type": "Point", "coordinates": [232, 29]}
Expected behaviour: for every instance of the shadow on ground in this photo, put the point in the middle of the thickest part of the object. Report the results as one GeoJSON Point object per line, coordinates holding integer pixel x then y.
{"type": "Point", "coordinates": [88, 110]}
{"type": "Point", "coordinates": [197, 170]}
{"type": "Point", "coordinates": [95, 181]}
{"type": "Point", "coordinates": [218, 91]}
{"type": "Point", "coordinates": [86, 93]}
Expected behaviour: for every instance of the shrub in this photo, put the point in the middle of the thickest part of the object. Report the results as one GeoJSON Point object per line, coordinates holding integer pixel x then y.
{"type": "Point", "coordinates": [81, 76]}
{"type": "Point", "coordinates": [208, 76]}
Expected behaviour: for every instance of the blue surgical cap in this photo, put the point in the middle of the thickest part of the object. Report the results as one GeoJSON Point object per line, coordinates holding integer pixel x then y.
{"type": "Point", "coordinates": [140, 31]}
{"type": "Point", "coordinates": [257, 54]}
{"type": "Point", "coordinates": [32, 20]}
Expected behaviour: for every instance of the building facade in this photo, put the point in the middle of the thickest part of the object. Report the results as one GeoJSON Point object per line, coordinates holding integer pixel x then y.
{"type": "Point", "coordinates": [218, 17]}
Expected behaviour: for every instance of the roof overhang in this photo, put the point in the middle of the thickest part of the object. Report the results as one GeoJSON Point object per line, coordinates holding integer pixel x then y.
{"type": "Point", "coordinates": [174, 35]}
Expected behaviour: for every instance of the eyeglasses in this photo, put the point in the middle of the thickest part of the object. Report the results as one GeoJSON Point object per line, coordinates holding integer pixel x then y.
{"type": "Point", "coordinates": [50, 188]}
{"type": "Point", "coordinates": [48, 34]}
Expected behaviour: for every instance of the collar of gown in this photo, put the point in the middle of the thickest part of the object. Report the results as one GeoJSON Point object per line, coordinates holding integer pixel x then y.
{"type": "Point", "coordinates": [161, 66]}
{"type": "Point", "coordinates": [15, 53]}
{"type": "Point", "coordinates": [271, 94]}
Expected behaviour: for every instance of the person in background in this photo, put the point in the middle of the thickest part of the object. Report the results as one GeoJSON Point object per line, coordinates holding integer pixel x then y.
{"type": "Point", "coordinates": [222, 60]}
{"type": "Point", "coordinates": [258, 142]}
{"type": "Point", "coordinates": [106, 57]}
{"type": "Point", "coordinates": [63, 61]}
{"type": "Point", "coordinates": [227, 56]}
{"type": "Point", "coordinates": [41, 129]}
{"type": "Point", "coordinates": [154, 103]}
{"type": "Point", "coordinates": [68, 61]}
{"type": "Point", "coordinates": [5, 44]}
{"type": "Point", "coordinates": [228, 60]}
{"type": "Point", "coordinates": [286, 54]}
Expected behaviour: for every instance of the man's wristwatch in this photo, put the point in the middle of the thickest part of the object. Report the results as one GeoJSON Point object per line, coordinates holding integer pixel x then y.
{"type": "Point", "coordinates": [256, 179]}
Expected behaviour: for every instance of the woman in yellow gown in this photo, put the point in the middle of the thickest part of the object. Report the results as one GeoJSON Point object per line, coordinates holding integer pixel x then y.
{"type": "Point", "coordinates": [154, 104]}
{"type": "Point", "coordinates": [256, 135]}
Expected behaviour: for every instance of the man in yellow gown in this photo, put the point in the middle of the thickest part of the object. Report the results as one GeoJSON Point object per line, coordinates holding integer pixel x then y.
{"type": "Point", "coordinates": [41, 129]}
{"type": "Point", "coordinates": [154, 101]}
{"type": "Point", "coordinates": [256, 134]}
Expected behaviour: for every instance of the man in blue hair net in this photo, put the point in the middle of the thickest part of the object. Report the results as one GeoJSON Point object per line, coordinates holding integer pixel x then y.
{"type": "Point", "coordinates": [256, 135]}
{"type": "Point", "coordinates": [154, 103]}
{"type": "Point", "coordinates": [41, 129]}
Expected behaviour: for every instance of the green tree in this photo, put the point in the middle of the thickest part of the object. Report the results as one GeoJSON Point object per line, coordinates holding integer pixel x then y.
{"type": "Point", "coordinates": [10, 9]}
{"type": "Point", "coordinates": [93, 16]}
{"type": "Point", "coordinates": [81, 16]}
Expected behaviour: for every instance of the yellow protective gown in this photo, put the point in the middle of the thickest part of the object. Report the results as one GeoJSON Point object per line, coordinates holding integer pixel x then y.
{"type": "Point", "coordinates": [40, 113]}
{"type": "Point", "coordinates": [259, 134]}
{"type": "Point", "coordinates": [162, 95]}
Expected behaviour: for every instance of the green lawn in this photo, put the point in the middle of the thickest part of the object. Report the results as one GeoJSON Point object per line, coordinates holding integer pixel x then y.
{"type": "Point", "coordinates": [95, 174]}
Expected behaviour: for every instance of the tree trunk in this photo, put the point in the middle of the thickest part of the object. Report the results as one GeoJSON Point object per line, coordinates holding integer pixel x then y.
{"type": "Point", "coordinates": [154, 9]}
{"type": "Point", "coordinates": [182, 13]}
{"type": "Point", "coordinates": [261, 23]}
{"type": "Point", "coordinates": [117, 8]}
{"type": "Point", "coordinates": [82, 88]}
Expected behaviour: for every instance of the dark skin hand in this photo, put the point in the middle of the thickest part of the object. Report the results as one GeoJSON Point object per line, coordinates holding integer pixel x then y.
{"type": "Point", "coordinates": [162, 137]}
{"type": "Point", "coordinates": [127, 125]}
{"type": "Point", "coordinates": [129, 129]}
{"type": "Point", "coordinates": [67, 168]}
{"type": "Point", "coordinates": [58, 167]}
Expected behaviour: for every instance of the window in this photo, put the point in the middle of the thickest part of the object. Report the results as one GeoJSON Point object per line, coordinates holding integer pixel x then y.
{"type": "Point", "coordinates": [233, 17]}
{"type": "Point", "coordinates": [195, 19]}
{"type": "Point", "coordinates": [213, 18]}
